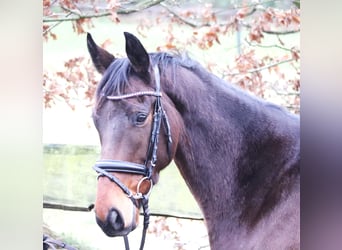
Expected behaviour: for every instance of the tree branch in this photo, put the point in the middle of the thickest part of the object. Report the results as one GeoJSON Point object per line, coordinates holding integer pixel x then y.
{"type": "Point", "coordinates": [199, 25]}
{"type": "Point", "coordinates": [77, 15]}
{"type": "Point", "coordinates": [295, 93]}
{"type": "Point", "coordinates": [272, 32]}
{"type": "Point", "coordinates": [75, 18]}
{"type": "Point", "coordinates": [54, 25]}
{"type": "Point", "coordinates": [141, 5]}
{"type": "Point", "coordinates": [122, 10]}
{"type": "Point", "coordinates": [267, 46]}
{"type": "Point", "coordinates": [251, 12]}
{"type": "Point", "coordinates": [260, 68]}
{"type": "Point", "coordinates": [286, 32]}
{"type": "Point", "coordinates": [184, 20]}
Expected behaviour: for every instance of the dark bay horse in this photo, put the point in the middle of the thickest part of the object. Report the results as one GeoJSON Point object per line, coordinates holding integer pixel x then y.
{"type": "Point", "coordinates": [239, 155]}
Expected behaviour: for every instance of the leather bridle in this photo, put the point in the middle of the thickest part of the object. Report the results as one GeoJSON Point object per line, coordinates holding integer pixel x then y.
{"type": "Point", "coordinates": [105, 167]}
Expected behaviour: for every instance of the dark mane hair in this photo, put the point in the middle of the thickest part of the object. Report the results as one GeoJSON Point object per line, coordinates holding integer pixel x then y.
{"type": "Point", "coordinates": [115, 80]}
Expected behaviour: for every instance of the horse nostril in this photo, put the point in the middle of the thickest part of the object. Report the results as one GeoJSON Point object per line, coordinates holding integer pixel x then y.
{"type": "Point", "coordinates": [115, 220]}
{"type": "Point", "coordinates": [113, 225]}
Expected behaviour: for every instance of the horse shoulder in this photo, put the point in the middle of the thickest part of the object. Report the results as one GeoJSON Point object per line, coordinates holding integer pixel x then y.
{"type": "Point", "coordinates": [281, 228]}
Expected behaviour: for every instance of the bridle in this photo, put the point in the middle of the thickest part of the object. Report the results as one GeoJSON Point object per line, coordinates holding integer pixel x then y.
{"type": "Point", "coordinates": [105, 167]}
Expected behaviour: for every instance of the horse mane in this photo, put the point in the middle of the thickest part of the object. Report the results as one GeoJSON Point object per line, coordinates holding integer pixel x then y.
{"type": "Point", "coordinates": [115, 80]}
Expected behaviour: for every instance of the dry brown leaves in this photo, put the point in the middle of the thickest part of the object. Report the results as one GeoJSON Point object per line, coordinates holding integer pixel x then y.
{"type": "Point", "coordinates": [251, 71]}
{"type": "Point", "coordinates": [75, 84]}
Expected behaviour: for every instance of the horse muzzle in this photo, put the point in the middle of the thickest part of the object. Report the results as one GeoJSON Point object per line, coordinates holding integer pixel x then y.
{"type": "Point", "coordinates": [114, 224]}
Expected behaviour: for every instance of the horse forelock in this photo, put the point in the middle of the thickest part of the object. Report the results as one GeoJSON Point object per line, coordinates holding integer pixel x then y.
{"type": "Point", "coordinates": [114, 81]}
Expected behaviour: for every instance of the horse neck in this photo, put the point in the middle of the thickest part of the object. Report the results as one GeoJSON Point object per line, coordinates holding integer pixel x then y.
{"type": "Point", "coordinates": [233, 149]}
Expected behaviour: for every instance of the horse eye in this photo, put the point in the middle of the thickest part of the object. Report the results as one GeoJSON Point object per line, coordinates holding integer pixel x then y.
{"type": "Point", "coordinates": [140, 118]}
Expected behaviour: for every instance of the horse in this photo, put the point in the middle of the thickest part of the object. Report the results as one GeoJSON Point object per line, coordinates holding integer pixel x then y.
{"type": "Point", "coordinates": [238, 154]}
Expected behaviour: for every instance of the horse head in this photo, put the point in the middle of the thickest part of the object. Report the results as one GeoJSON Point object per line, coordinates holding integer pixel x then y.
{"type": "Point", "coordinates": [129, 100]}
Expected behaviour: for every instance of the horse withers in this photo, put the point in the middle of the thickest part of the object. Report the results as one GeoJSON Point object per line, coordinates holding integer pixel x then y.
{"type": "Point", "coordinates": [238, 154]}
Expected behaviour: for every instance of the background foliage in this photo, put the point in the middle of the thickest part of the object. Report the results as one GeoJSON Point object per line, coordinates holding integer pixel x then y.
{"type": "Point", "coordinates": [254, 44]}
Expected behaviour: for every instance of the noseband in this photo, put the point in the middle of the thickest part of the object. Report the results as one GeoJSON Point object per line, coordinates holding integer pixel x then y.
{"type": "Point", "coordinates": [105, 167]}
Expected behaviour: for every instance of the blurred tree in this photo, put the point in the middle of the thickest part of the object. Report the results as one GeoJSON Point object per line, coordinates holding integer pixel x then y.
{"type": "Point", "coordinates": [210, 21]}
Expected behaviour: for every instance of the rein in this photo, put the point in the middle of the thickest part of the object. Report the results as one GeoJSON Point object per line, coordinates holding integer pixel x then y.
{"type": "Point", "coordinates": [105, 167]}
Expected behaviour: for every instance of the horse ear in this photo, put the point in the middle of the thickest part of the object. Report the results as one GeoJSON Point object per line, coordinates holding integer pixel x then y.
{"type": "Point", "coordinates": [136, 54]}
{"type": "Point", "coordinates": [100, 57]}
